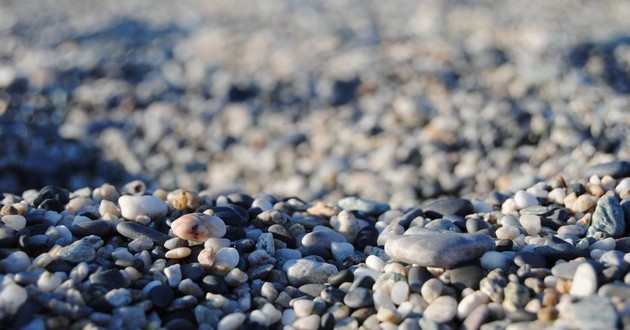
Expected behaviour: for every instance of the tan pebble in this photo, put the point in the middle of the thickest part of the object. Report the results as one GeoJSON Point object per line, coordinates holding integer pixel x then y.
{"type": "Point", "coordinates": [595, 189]}
{"type": "Point", "coordinates": [585, 220]}
{"type": "Point", "coordinates": [548, 313]}
{"type": "Point", "coordinates": [161, 194]}
{"type": "Point", "coordinates": [563, 286]}
{"type": "Point", "coordinates": [198, 227]}
{"type": "Point", "coordinates": [323, 210]}
{"type": "Point", "coordinates": [550, 298]}
{"type": "Point", "coordinates": [583, 204]}
{"type": "Point", "coordinates": [108, 207]}
{"type": "Point", "coordinates": [569, 200]}
{"type": "Point", "coordinates": [106, 192]}
{"type": "Point", "coordinates": [184, 200]}
{"type": "Point", "coordinates": [178, 253]}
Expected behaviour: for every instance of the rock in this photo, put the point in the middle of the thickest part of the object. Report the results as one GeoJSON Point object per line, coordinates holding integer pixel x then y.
{"type": "Point", "coordinates": [400, 292]}
{"type": "Point", "coordinates": [358, 297]}
{"type": "Point", "coordinates": [467, 276]}
{"type": "Point", "coordinates": [471, 302]}
{"type": "Point", "coordinates": [346, 224]}
{"type": "Point", "coordinates": [493, 259]}
{"type": "Point", "coordinates": [616, 169]}
{"type": "Point", "coordinates": [94, 227]}
{"type": "Point", "coordinates": [303, 307]}
{"type": "Point", "coordinates": [78, 251]}
{"type": "Point", "coordinates": [322, 238]}
{"type": "Point", "coordinates": [531, 223]}
{"type": "Point", "coordinates": [441, 310]}
{"type": "Point", "coordinates": [109, 279]}
{"type": "Point", "coordinates": [131, 207]}
{"type": "Point", "coordinates": [362, 205]}
{"type": "Point", "coordinates": [524, 200]}
{"type": "Point", "coordinates": [58, 194]}
{"type": "Point", "coordinates": [198, 227]}
{"type": "Point", "coordinates": [554, 248]}
{"type": "Point", "coordinates": [340, 277]}
{"type": "Point", "coordinates": [516, 296]}
{"type": "Point", "coordinates": [593, 312]}
{"type": "Point", "coordinates": [303, 271]}
{"type": "Point", "coordinates": [367, 236]}
{"type": "Point", "coordinates": [532, 259]}
{"type": "Point", "coordinates": [161, 296]}
{"type": "Point", "coordinates": [12, 296]}
{"type": "Point", "coordinates": [135, 230]}
{"type": "Point", "coordinates": [281, 233]}
{"type": "Point", "coordinates": [16, 221]}
{"type": "Point", "coordinates": [584, 281]}
{"type": "Point", "coordinates": [444, 207]}
{"type": "Point", "coordinates": [15, 262]}
{"type": "Point", "coordinates": [231, 215]}
{"type": "Point", "coordinates": [431, 289]}
{"type": "Point", "coordinates": [178, 253]}
{"type": "Point", "coordinates": [133, 317]}
{"type": "Point", "coordinates": [608, 218]}
{"type": "Point", "coordinates": [231, 321]}
{"type": "Point", "coordinates": [445, 250]}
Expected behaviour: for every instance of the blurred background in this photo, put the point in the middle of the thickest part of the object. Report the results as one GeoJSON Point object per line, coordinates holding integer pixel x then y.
{"type": "Point", "coordinates": [399, 101]}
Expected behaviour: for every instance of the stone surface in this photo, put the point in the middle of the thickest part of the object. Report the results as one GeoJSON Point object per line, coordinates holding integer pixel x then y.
{"type": "Point", "coordinates": [593, 312]}
{"type": "Point", "coordinates": [444, 250]}
{"type": "Point", "coordinates": [198, 227]}
{"type": "Point", "coordinates": [131, 207]}
{"type": "Point", "coordinates": [608, 217]}
{"type": "Point", "coordinates": [444, 207]}
{"type": "Point", "coordinates": [303, 271]}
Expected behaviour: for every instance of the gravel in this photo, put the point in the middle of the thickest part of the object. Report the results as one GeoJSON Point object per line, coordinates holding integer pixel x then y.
{"type": "Point", "coordinates": [308, 165]}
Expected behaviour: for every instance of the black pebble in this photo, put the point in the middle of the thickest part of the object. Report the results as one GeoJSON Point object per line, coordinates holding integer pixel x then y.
{"type": "Point", "coordinates": [364, 282]}
{"type": "Point", "coordinates": [529, 258]}
{"type": "Point", "coordinates": [367, 236]}
{"type": "Point", "coordinates": [110, 279]}
{"type": "Point", "coordinates": [193, 271]}
{"type": "Point", "coordinates": [95, 227]}
{"type": "Point", "coordinates": [444, 207]}
{"type": "Point", "coordinates": [576, 188]}
{"type": "Point", "coordinates": [161, 296]}
{"type": "Point", "coordinates": [250, 325]}
{"type": "Point", "coordinates": [234, 233]}
{"type": "Point", "coordinates": [327, 321]}
{"type": "Point", "coordinates": [316, 251]}
{"type": "Point", "coordinates": [231, 215]}
{"type": "Point", "coordinates": [180, 324]}
{"type": "Point", "coordinates": [467, 276]}
{"type": "Point", "coordinates": [245, 245]}
{"type": "Point", "coordinates": [51, 205]}
{"type": "Point", "coordinates": [213, 283]}
{"type": "Point", "coordinates": [51, 192]}
{"type": "Point", "coordinates": [282, 234]}
{"type": "Point", "coordinates": [242, 200]}
{"type": "Point", "coordinates": [341, 277]}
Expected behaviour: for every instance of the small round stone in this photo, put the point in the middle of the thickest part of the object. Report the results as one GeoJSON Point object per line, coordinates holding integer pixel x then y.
{"type": "Point", "coordinates": [531, 223]}
{"type": "Point", "coordinates": [303, 307]}
{"type": "Point", "coordinates": [431, 289]}
{"type": "Point", "coordinates": [131, 207]}
{"type": "Point", "coordinates": [198, 227]}
{"type": "Point", "coordinates": [400, 292]}
{"type": "Point", "coordinates": [17, 222]}
{"type": "Point", "coordinates": [178, 253]}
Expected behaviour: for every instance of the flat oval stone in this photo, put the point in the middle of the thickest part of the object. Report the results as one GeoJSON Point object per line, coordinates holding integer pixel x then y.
{"type": "Point", "coordinates": [231, 215]}
{"type": "Point", "coordinates": [135, 230]}
{"type": "Point", "coordinates": [442, 309]}
{"type": "Point", "coordinates": [616, 169]}
{"type": "Point", "coordinates": [608, 217]}
{"type": "Point", "coordinates": [362, 205]}
{"type": "Point", "coordinates": [444, 250]}
{"type": "Point", "coordinates": [322, 238]}
{"type": "Point", "coordinates": [94, 227]}
{"type": "Point", "coordinates": [133, 206]}
{"type": "Point", "coordinates": [304, 271]}
{"type": "Point", "coordinates": [444, 207]}
{"type": "Point", "coordinates": [198, 227]}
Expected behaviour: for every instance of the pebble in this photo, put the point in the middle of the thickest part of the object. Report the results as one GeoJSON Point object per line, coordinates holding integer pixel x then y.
{"type": "Point", "coordinates": [362, 205]}
{"type": "Point", "coordinates": [303, 271]}
{"type": "Point", "coordinates": [198, 227]}
{"type": "Point", "coordinates": [131, 207]}
{"type": "Point", "coordinates": [616, 169]}
{"type": "Point", "coordinates": [608, 218]}
{"type": "Point", "coordinates": [78, 251]}
{"type": "Point", "coordinates": [431, 289]}
{"type": "Point", "coordinates": [231, 321]}
{"type": "Point", "coordinates": [493, 259]}
{"type": "Point", "coordinates": [303, 307]}
{"type": "Point", "coordinates": [524, 200]}
{"type": "Point", "coordinates": [135, 230]}
{"type": "Point", "coordinates": [346, 224]}
{"type": "Point", "coordinates": [358, 297]}
{"type": "Point", "coordinates": [593, 312]}
{"type": "Point", "coordinates": [15, 262]}
{"type": "Point", "coordinates": [449, 206]}
{"type": "Point", "coordinates": [584, 281]}
{"type": "Point", "coordinates": [531, 223]}
{"type": "Point", "coordinates": [441, 310]}
{"type": "Point", "coordinates": [444, 250]}
{"type": "Point", "coordinates": [93, 227]}
{"type": "Point", "coordinates": [322, 238]}
{"type": "Point", "coordinates": [178, 253]}
{"type": "Point", "coordinates": [17, 222]}
{"type": "Point", "coordinates": [399, 292]}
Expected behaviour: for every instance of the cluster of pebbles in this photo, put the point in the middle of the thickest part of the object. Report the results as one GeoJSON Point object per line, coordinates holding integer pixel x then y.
{"type": "Point", "coordinates": [389, 101]}
{"type": "Point", "coordinates": [554, 255]}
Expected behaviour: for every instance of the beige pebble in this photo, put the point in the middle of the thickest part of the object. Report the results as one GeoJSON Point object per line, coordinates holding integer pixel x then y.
{"type": "Point", "coordinates": [206, 257]}
{"type": "Point", "coordinates": [583, 204]}
{"type": "Point", "coordinates": [184, 200]}
{"type": "Point", "coordinates": [178, 253]}
{"type": "Point", "coordinates": [198, 227]}
{"type": "Point", "coordinates": [323, 210]}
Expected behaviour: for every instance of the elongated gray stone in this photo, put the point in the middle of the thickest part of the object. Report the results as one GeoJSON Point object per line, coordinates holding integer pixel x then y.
{"type": "Point", "coordinates": [445, 250]}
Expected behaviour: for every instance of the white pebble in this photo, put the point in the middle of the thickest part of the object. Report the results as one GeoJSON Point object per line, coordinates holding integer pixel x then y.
{"type": "Point", "coordinates": [216, 243]}
{"type": "Point", "coordinates": [442, 309]}
{"type": "Point", "coordinates": [584, 281]}
{"type": "Point", "coordinates": [470, 302]}
{"type": "Point", "coordinates": [226, 257]}
{"type": "Point", "coordinates": [16, 222]}
{"type": "Point", "coordinates": [48, 281]}
{"type": "Point", "coordinates": [531, 223]}
{"type": "Point", "coordinates": [431, 289]}
{"type": "Point", "coordinates": [231, 321]}
{"type": "Point", "coordinates": [259, 317]}
{"type": "Point", "coordinates": [12, 297]}
{"type": "Point", "coordinates": [288, 317]}
{"type": "Point", "coordinates": [132, 207]}
{"type": "Point", "coordinates": [173, 274]}
{"type": "Point", "coordinates": [400, 292]}
{"type": "Point", "coordinates": [508, 232]}
{"type": "Point", "coordinates": [382, 299]}
{"type": "Point", "coordinates": [269, 291]}
{"type": "Point", "coordinates": [375, 263]}
{"type": "Point", "coordinates": [523, 199]}
{"type": "Point", "coordinates": [303, 307]}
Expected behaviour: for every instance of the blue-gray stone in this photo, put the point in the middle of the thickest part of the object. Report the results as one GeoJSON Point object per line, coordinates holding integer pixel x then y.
{"type": "Point", "coordinates": [443, 250]}
{"type": "Point", "coordinates": [608, 218]}
{"type": "Point", "coordinates": [594, 312]}
{"type": "Point", "coordinates": [444, 207]}
{"type": "Point", "coordinates": [78, 251]}
{"type": "Point", "coordinates": [616, 169]}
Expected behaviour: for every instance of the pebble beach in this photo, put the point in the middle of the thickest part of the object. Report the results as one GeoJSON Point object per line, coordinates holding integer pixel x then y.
{"type": "Point", "coordinates": [314, 165]}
